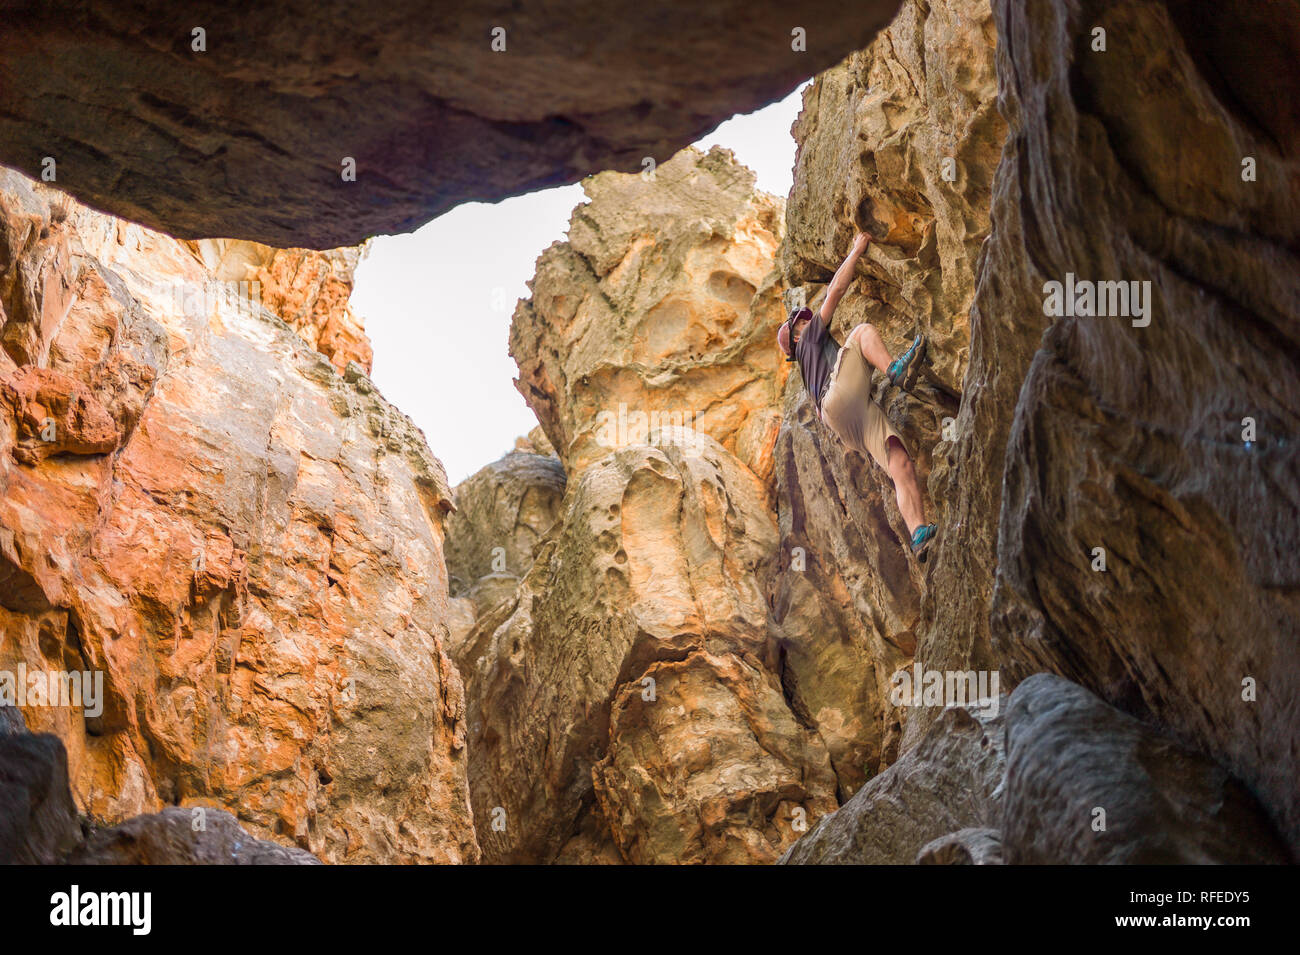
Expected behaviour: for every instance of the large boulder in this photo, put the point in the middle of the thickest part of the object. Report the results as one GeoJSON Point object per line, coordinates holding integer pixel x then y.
{"type": "Point", "coordinates": [502, 513]}
{"type": "Point", "coordinates": [38, 821]}
{"type": "Point", "coordinates": [624, 705]}
{"type": "Point", "coordinates": [1087, 784]}
{"type": "Point", "coordinates": [248, 553]}
{"type": "Point", "coordinates": [246, 128]}
{"type": "Point", "coordinates": [176, 836]}
{"type": "Point", "coordinates": [950, 781]}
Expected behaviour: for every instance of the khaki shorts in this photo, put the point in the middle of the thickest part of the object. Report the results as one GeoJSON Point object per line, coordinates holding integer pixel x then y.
{"type": "Point", "coordinates": [849, 411]}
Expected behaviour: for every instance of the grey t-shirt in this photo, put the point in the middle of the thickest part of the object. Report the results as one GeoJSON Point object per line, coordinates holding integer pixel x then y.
{"type": "Point", "coordinates": [816, 354]}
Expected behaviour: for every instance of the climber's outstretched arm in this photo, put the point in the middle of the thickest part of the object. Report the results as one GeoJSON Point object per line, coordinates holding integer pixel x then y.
{"type": "Point", "coordinates": [843, 277]}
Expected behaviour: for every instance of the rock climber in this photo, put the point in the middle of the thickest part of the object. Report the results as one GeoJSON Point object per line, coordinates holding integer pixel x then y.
{"type": "Point", "coordinates": [839, 380]}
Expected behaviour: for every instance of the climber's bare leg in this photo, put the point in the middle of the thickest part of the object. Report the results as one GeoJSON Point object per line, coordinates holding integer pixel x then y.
{"type": "Point", "coordinates": [903, 472]}
{"type": "Point", "coordinates": [868, 341]}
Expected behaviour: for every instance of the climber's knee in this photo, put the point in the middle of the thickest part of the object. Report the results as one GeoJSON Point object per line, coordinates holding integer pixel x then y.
{"type": "Point", "coordinates": [899, 460]}
{"type": "Point", "coordinates": [863, 332]}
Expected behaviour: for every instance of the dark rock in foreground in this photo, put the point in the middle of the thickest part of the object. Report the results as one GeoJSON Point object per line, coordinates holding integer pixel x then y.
{"type": "Point", "coordinates": [1075, 764]}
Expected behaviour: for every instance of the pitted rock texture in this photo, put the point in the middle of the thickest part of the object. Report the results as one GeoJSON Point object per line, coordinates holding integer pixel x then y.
{"type": "Point", "coordinates": [901, 140]}
{"type": "Point", "coordinates": [245, 544]}
{"type": "Point", "coordinates": [1167, 447]}
{"type": "Point", "coordinates": [1087, 784]}
{"type": "Point", "coordinates": [502, 513]}
{"type": "Point", "coordinates": [248, 136]}
{"type": "Point", "coordinates": [951, 781]}
{"type": "Point", "coordinates": [624, 707]}
{"type": "Point", "coordinates": [874, 138]}
{"type": "Point", "coordinates": [658, 309]}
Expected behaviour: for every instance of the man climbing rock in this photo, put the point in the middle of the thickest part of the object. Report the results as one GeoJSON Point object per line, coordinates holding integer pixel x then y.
{"type": "Point", "coordinates": [839, 380]}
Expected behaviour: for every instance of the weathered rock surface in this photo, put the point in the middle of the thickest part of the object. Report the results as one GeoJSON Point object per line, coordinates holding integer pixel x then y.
{"type": "Point", "coordinates": [1167, 445]}
{"type": "Point", "coordinates": [502, 513]}
{"type": "Point", "coordinates": [247, 546]}
{"type": "Point", "coordinates": [39, 825]}
{"type": "Point", "coordinates": [247, 137]}
{"type": "Point", "coordinates": [950, 781]}
{"type": "Point", "coordinates": [307, 290]}
{"type": "Point", "coordinates": [964, 847]}
{"type": "Point", "coordinates": [623, 706]}
{"type": "Point", "coordinates": [1087, 784]}
{"type": "Point", "coordinates": [659, 307]}
{"type": "Point", "coordinates": [873, 138]}
{"type": "Point", "coordinates": [901, 139]}
{"type": "Point", "coordinates": [1132, 437]}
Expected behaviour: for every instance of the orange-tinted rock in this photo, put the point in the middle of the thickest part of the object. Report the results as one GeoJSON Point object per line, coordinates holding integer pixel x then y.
{"type": "Point", "coordinates": [247, 546]}
{"type": "Point", "coordinates": [306, 289]}
{"type": "Point", "coordinates": [56, 414]}
{"type": "Point", "coordinates": [624, 704]}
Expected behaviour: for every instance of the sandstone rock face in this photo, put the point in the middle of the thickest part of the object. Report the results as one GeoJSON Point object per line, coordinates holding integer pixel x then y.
{"type": "Point", "coordinates": [658, 310]}
{"type": "Point", "coordinates": [623, 707]}
{"type": "Point", "coordinates": [1165, 440]}
{"type": "Point", "coordinates": [951, 781]}
{"type": "Point", "coordinates": [1160, 441]}
{"type": "Point", "coordinates": [901, 139]}
{"type": "Point", "coordinates": [875, 139]}
{"type": "Point", "coordinates": [1088, 784]}
{"type": "Point", "coordinates": [246, 133]}
{"type": "Point", "coordinates": [502, 513]}
{"type": "Point", "coordinates": [307, 290]}
{"type": "Point", "coordinates": [245, 545]}
{"type": "Point", "coordinates": [639, 700]}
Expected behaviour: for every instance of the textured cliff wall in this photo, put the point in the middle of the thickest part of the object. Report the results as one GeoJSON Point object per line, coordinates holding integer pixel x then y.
{"type": "Point", "coordinates": [628, 701]}
{"type": "Point", "coordinates": [305, 289]}
{"type": "Point", "coordinates": [901, 139]}
{"type": "Point", "coordinates": [1134, 437]}
{"type": "Point", "coordinates": [247, 545]}
{"type": "Point", "coordinates": [678, 612]}
{"type": "Point", "coordinates": [661, 302]}
{"type": "Point", "coordinates": [1160, 441]}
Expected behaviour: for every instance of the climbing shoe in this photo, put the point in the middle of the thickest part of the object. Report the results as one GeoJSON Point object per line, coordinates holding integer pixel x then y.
{"type": "Point", "coordinates": [900, 367]}
{"type": "Point", "coordinates": [921, 538]}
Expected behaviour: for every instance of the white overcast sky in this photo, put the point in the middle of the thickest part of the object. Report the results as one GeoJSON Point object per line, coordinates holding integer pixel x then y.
{"type": "Point", "coordinates": [437, 302]}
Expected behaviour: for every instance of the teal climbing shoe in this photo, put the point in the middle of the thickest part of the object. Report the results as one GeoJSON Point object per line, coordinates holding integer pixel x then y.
{"type": "Point", "coordinates": [921, 538]}
{"type": "Point", "coordinates": [900, 367]}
